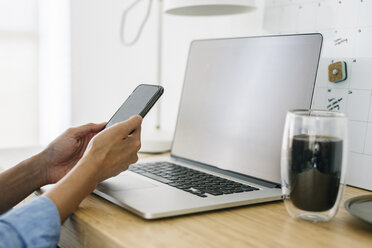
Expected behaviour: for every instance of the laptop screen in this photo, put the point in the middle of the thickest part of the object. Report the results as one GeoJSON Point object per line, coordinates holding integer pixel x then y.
{"type": "Point", "coordinates": [235, 97]}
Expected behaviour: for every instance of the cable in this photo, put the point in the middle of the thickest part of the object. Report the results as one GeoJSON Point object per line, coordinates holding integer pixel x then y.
{"type": "Point", "coordinates": [123, 21]}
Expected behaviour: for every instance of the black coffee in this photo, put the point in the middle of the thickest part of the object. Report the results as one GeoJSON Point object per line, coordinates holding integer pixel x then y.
{"type": "Point", "coordinates": [315, 171]}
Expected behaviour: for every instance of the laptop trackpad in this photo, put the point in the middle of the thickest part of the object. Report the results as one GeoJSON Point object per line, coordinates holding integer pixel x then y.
{"type": "Point", "coordinates": [122, 182]}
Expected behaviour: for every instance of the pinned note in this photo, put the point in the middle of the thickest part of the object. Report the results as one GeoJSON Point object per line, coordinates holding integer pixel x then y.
{"type": "Point", "coordinates": [337, 72]}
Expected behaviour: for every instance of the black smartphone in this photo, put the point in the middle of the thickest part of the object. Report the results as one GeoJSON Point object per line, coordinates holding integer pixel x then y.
{"type": "Point", "coordinates": [139, 102]}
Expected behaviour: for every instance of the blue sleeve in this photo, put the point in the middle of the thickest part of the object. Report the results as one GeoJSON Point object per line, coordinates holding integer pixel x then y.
{"type": "Point", "coordinates": [34, 224]}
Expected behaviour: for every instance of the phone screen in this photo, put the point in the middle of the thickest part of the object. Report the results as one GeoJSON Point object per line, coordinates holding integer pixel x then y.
{"type": "Point", "coordinates": [138, 103]}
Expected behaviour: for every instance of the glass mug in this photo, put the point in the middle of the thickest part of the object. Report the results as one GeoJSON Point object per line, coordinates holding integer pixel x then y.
{"type": "Point", "coordinates": [313, 163]}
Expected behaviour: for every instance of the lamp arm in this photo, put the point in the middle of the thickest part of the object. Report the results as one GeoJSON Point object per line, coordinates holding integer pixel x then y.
{"type": "Point", "coordinates": [123, 21]}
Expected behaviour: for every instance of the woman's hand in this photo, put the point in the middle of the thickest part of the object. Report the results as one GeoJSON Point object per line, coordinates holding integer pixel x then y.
{"type": "Point", "coordinates": [65, 151]}
{"type": "Point", "coordinates": [113, 150]}
{"type": "Point", "coordinates": [108, 153]}
{"type": "Point", "coordinates": [47, 167]}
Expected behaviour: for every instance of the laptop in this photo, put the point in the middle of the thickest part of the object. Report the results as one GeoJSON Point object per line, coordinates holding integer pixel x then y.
{"type": "Point", "coordinates": [227, 142]}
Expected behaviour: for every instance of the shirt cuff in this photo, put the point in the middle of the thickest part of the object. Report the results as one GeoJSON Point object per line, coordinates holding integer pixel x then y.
{"type": "Point", "coordinates": [36, 222]}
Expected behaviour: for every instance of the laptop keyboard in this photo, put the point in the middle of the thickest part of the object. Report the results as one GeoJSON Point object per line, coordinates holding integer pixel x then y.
{"type": "Point", "coordinates": [189, 180]}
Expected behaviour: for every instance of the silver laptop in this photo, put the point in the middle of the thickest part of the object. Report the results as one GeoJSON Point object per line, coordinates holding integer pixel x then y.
{"type": "Point", "coordinates": [227, 142]}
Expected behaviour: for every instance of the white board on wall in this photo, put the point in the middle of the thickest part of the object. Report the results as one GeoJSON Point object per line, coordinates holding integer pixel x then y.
{"type": "Point", "coordinates": [347, 30]}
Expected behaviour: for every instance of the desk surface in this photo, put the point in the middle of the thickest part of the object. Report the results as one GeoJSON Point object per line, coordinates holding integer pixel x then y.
{"type": "Point", "coordinates": [98, 223]}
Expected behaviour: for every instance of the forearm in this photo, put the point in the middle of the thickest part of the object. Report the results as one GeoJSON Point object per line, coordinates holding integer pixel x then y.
{"type": "Point", "coordinates": [68, 193]}
{"type": "Point", "coordinates": [35, 223]}
{"type": "Point", "coordinates": [20, 181]}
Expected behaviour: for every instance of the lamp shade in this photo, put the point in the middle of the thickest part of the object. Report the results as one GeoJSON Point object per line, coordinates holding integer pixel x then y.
{"type": "Point", "coordinates": [207, 7]}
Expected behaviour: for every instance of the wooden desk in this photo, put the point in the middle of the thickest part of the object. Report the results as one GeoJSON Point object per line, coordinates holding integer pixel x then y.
{"type": "Point", "coordinates": [98, 223]}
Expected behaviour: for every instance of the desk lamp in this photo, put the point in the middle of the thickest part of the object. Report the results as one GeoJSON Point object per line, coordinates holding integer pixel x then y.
{"type": "Point", "coordinates": [161, 141]}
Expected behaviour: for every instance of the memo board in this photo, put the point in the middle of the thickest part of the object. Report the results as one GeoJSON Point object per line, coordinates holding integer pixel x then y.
{"type": "Point", "coordinates": [346, 26]}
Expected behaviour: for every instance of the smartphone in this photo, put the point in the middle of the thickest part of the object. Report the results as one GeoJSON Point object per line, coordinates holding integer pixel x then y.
{"type": "Point", "coordinates": [139, 102]}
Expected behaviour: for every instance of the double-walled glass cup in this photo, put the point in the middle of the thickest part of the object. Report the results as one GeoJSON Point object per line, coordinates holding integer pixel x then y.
{"type": "Point", "coordinates": [313, 163]}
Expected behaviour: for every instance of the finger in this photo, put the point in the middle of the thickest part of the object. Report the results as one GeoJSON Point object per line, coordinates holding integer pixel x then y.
{"type": "Point", "coordinates": [89, 128]}
{"type": "Point", "coordinates": [136, 132]}
{"type": "Point", "coordinates": [123, 129]}
{"type": "Point", "coordinates": [133, 159]}
{"type": "Point", "coordinates": [88, 138]}
{"type": "Point", "coordinates": [135, 142]}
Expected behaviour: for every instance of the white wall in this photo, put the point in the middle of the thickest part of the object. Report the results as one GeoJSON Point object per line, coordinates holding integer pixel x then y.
{"type": "Point", "coordinates": [19, 106]}
{"type": "Point", "coordinates": [347, 31]}
{"type": "Point", "coordinates": [104, 72]}
{"type": "Point", "coordinates": [54, 68]}
{"type": "Point", "coordinates": [34, 71]}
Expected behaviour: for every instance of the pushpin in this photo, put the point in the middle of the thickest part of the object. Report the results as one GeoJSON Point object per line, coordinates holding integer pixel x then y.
{"type": "Point", "coordinates": [337, 72]}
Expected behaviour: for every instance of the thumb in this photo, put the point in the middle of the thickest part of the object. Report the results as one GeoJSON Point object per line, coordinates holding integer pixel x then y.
{"type": "Point", "coordinates": [90, 128]}
{"type": "Point", "coordinates": [126, 127]}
